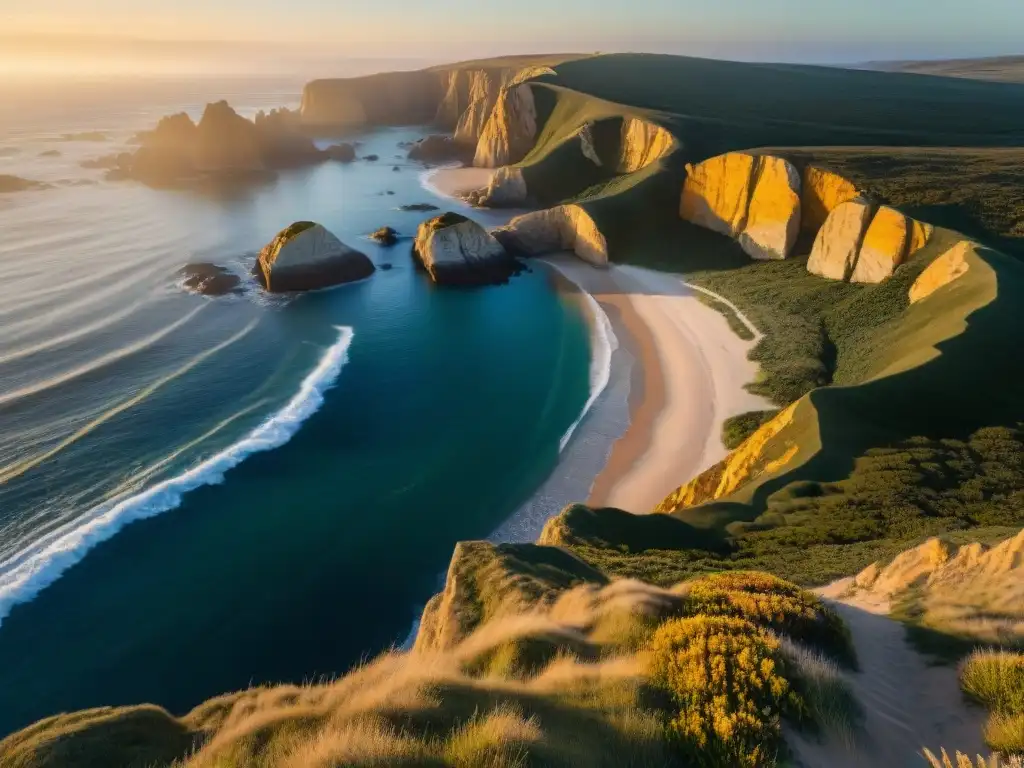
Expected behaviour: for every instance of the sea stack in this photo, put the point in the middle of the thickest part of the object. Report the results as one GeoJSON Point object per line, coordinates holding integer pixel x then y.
{"type": "Point", "coordinates": [305, 256]}
{"type": "Point", "coordinates": [455, 250]}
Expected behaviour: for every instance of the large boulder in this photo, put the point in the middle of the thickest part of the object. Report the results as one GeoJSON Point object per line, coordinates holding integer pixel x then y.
{"type": "Point", "coordinates": [440, 149]}
{"type": "Point", "coordinates": [716, 193]}
{"type": "Point", "coordinates": [209, 279]}
{"type": "Point", "coordinates": [305, 257]}
{"type": "Point", "coordinates": [883, 248]}
{"type": "Point", "coordinates": [455, 250]}
{"type": "Point", "coordinates": [948, 267]}
{"type": "Point", "coordinates": [772, 224]}
{"type": "Point", "coordinates": [837, 244]}
{"type": "Point", "coordinates": [823, 191]}
{"type": "Point", "coordinates": [562, 228]}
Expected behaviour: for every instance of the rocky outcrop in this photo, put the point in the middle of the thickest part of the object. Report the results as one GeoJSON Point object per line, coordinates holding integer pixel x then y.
{"type": "Point", "coordinates": [562, 228]}
{"type": "Point", "coordinates": [642, 143]}
{"type": "Point", "coordinates": [759, 455]}
{"type": "Point", "coordinates": [823, 192]}
{"type": "Point", "coordinates": [753, 199]}
{"type": "Point", "coordinates": [305, 257]}
{"type": "Point", "coordinates": [209, 279]}
{"type": "Point", "coordinates": [455, 250]}
{"type": "Point", "coordinates": [836, 246]}
{"type": "Point", "coordinates": [385, 236]}
{"type": "Point", "coordinates": [439, 149]}
{"type": "Point", "coordinates": [951, 265]}
{"type": "Point", "coordinates": [223, 143]}
{"type": "Point", "coordinates": [511, 129]}
{"type": "Point", "coordinates": [864, 243]}
{"type": "Point", "coordinates": [506, 189]}
{"type": "Point", "coordinates": [341, 153]}
{"type": "Point", "coordinates": [772, 224]}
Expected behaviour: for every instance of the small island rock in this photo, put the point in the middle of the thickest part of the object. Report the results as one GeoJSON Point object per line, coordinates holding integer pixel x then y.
{"type": "Point", "coordinates": [210, 279]}
{"type": "Point", "coordinates": [305, 256]}
{"type": "Point", "coordinates": [455, 250]}
{"type": "Point", "coordinates": [440, 149]}
{"type": "Point", "coordinates": [372, 158]}
{"type": "Point", "coordinates": [18, 184]}
{"type": "Point", "coordinates": [417, 206]}
{"type": "Point", "coordinates": [341, 153]}
{"type": "Point", "coordinates": [385, 236]}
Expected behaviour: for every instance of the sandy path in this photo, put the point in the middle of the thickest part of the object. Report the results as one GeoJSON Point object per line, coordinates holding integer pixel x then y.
{"type": "Point", "coordinates": [690, 378]}
{"type": "Point", "coordinates": [908, 704]}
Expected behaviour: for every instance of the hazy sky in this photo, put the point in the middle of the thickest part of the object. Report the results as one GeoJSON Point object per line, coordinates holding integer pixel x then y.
{"type": "Point", "coordinates": [829, 31]}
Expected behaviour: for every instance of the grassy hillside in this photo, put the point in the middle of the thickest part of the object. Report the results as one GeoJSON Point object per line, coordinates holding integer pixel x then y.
{"type": "Point", "coordinates": [1004, 69]}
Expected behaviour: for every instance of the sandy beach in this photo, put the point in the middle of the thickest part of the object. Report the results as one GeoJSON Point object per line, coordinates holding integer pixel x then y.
{"type": "Point", "coordinates": [688, 376]}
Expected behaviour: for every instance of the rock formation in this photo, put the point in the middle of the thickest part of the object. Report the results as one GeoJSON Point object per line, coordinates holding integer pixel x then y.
{"type": "Point", "coordinates": [341, 153]}
{"type": "Point", "coordinates": [642, 143]}
{"type": "Point", "coordinates": [511, 129]}
{"type": "Point", "coordinates": [209, 279]}
{"type": "Point", "coordinates": [944, 270]}
{"type": "Point", "coordinates": [305, 257]}
{"type": "Point", "coordinates": [863, 243]}
{"type": "Point", "coordinates": [835, 248]}
{"type": "Point", "coordinates": [392, 98]}
{"type": "Point", "coordinates": [385, 236]}
{"type": "Point", "coordinates": [753, 199]}
{"type": "Point", "coordinates": [440, 149]}
{"type": "Point", "coordinates": [562, 228]}
{"type": "Point", "coordinates": [823, 191]}
{"type": "Point", "coordinates": [455, 250]}
{"type": "Point", "coordinates": [772, 224]}
{"type": "Point", "coordinates": [223, 143]}
{"type": "Point", "coordinates": [418, 207]}
{"type": "Point", "coordinates": [506, 189]}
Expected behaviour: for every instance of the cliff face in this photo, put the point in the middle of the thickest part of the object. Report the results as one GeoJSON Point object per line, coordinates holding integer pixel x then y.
{"type": "Point", "coordinates": [763, 453]}
{"type": "Point", "coordinates": [511, 129]}
{"type": "Point", "coordinates": [944, 270]}
{"type": "Point", "coordinates": [392, 98]}
{"type": "Point", "coordinates": [642, 143]}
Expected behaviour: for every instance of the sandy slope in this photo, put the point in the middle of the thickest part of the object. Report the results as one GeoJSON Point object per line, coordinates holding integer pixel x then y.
{"type": "Point", "coordinates": [690, 378]}
{"type": "Point", "coordinates": [907, 703]}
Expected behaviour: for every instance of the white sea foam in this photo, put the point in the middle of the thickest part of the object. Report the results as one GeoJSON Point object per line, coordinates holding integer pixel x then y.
{"type": "Point", "coordinates": [24, 575]}
{"type": "Point", "coordinates": [603, 343]}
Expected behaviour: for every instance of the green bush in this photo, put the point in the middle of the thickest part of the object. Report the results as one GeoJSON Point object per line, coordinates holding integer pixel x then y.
{"type": "Point", "coordinates": [736, 429]}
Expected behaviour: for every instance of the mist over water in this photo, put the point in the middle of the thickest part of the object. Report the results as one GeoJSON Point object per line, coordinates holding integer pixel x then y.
{"type": "Point", "coordinates": [197, 494]}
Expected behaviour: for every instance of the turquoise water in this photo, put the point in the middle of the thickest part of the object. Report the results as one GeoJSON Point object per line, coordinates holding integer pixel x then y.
{"type": "Point", "coordinates": [198, 494]}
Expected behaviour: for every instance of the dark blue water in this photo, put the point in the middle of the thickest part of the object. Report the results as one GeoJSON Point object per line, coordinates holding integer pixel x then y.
{"type": "Point", "coordinates": [198, 494]}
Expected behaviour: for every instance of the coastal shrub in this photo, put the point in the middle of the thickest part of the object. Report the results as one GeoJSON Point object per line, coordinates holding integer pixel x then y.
{"type": "Point", "coordinates": [729, 689]}
{"type": "Point", "coordinates": [738, 428]}
{"type": "Point", "coordinates": [831, 704]}
{"type": "Point", "coordinates": [1005, 733]}
{"type": "Point", "coordinates": [995, 679]}
{"type": "Point", "coordinates": [771, 602]}
{"type": "Point", "coordinates": [960, 760]}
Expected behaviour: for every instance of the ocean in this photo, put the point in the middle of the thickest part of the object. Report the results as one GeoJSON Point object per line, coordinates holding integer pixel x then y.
{"type": "Point", "coordinates": [199, 494]}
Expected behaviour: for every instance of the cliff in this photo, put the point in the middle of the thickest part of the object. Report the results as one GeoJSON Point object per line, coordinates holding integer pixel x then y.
{"type": "Point", "coordinates": [392, 98]}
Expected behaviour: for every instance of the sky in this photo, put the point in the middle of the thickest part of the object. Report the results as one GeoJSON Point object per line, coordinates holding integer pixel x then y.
{"type": "Point", "coordinates": [56, 34]}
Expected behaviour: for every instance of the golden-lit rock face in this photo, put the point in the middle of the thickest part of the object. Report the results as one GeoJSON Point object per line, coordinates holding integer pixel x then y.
{"type": "Point", "coordinates": [716, 193]}
{"type": "Point", "coordinates": [510, 131]}
{"type": "Point", "coordinates": [835, 250]}
{"type": "Point", "coordinates": [883, 247]}
{"type": "Point", "coordinates": [754, 457]}
{"type": "Point", "coordinates": [943, 271]}
{"type": "Point", "coordinates": [823, 191]}
{"type": "Point", "coordinates": [772, 223]}
{"type": "Point", "coordinates": [752, 198]}
{"type": "Point", "coordinates": [642, 143]}
{"type": "Point", "coordinates": [562, 228]}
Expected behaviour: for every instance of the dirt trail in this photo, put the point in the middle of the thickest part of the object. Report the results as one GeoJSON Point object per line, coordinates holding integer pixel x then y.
{"type": "Point", "coordinates": [908, 704]}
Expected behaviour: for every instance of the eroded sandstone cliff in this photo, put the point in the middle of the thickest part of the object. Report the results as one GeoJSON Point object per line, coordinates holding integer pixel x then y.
{"type": "Point", "coordinates": [562, 228]}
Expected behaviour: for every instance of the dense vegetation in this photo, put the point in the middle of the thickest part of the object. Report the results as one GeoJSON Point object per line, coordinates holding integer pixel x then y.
{"type": "Point", "coordinates": [995, 679]}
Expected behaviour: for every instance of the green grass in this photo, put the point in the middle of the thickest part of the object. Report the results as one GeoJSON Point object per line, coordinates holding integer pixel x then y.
{"type": "Point", "coordinates": [736, 325]}
{"type": "Point", "coordinates": [995, 679]}
{"type": "Point", "coordinates": [738, 428]}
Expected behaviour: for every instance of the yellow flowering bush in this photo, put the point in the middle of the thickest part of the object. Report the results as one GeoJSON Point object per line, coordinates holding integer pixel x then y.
{"type": "Point", "coordinates": [729, 689]}
{"type": "Point", "coordinates": [773, 603]}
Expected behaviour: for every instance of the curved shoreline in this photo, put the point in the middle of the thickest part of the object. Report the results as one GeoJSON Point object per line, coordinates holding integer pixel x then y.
{"type": "Point", "coordinates": [688, 378]}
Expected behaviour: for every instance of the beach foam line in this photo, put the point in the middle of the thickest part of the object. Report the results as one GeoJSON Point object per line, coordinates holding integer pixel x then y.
{"type": "Point", "coordinates": [26, 574]}
{"type": "Point", "coordinates": [603, 343]}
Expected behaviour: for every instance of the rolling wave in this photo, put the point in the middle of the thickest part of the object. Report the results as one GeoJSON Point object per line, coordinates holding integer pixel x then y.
{"type": "Point", "coordinates": [603, 344]}
{"type": "Point", "coordinates": [23, 576]}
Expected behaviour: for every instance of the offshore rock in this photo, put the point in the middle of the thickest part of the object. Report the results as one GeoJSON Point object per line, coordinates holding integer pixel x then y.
{"type": "Point", "coordinates": [305, 257]}
{"type": "Point", "coordinates": [455, 250]}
